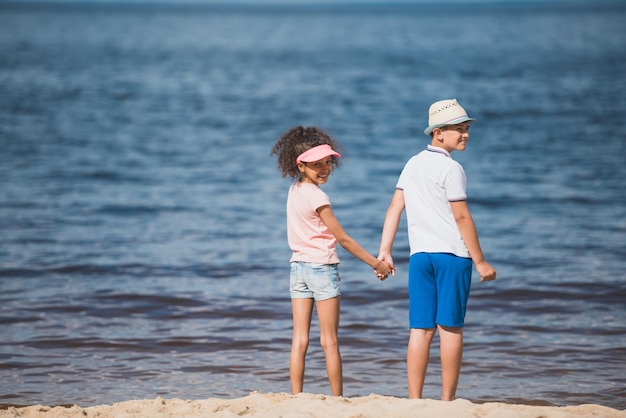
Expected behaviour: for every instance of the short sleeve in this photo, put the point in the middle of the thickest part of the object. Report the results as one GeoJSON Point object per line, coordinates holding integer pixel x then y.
{"type": "Point", "coordinates": [318, 199]}
{"type": "Point", "coordinates": [456, 184]}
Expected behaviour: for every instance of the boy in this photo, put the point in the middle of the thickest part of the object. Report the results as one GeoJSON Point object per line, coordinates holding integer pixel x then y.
{"type": "Point", "coordinates": [443, 243]}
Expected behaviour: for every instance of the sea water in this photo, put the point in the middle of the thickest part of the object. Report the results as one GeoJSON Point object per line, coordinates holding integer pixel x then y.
{"type": "Point", "coordinates": [143, 249]}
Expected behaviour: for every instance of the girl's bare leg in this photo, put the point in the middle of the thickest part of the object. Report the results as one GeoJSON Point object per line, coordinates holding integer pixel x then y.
{"type": "Point", "coordinates": [417, 359]}
{"type": "Point", "coordinates": [328, 313]}
{"type": "Point", "coordinates": [451, 352]}
{"type": "Point", "coordinates": [302, 310]}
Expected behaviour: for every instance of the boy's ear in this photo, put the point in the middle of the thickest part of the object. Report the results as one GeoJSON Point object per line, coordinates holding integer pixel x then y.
{"type": "Point", "coordinates": [437, 134]}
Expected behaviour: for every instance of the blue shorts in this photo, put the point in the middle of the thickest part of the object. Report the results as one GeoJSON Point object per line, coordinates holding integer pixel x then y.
{"type": "Point", "coordinates": [314, 281]}
{"type": "Point", "coordinates": [439, 286]}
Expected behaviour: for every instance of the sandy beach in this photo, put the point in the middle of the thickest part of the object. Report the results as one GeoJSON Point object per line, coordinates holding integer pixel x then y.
{"type": "Point", "coordinates": [311, 406]}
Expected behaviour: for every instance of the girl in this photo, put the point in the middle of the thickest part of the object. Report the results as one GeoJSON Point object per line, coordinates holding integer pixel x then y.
{"type": "Point", "coordinates": [308, 156]}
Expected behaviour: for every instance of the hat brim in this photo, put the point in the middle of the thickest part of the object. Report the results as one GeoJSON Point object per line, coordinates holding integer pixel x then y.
{"type": "Point", "coordinates": [317, 153]}
{"type": "Point", "coordinates": [428, 130]}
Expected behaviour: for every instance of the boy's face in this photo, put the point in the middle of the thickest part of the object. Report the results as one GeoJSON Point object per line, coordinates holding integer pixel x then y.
{"type": "Point", "coordinates": [452, 137]}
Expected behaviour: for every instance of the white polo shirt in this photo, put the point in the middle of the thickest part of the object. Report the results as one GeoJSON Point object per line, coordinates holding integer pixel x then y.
{"type": "Point", "coordinates": [430, 180]}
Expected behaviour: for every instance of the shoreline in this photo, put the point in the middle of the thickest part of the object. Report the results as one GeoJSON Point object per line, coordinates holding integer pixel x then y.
{"type": "Point", "coordinates": [271, 405]}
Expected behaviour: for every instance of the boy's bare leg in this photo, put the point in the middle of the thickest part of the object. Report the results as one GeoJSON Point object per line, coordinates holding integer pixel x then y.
{"type": "Point", "coordinates": [328, 314]}
{"type": "Point", "coordinates": [451, 352]}
{"type": "Point", "coordinates": [302, 310]}
{"type": "Point", "coordinates": [417, 359]}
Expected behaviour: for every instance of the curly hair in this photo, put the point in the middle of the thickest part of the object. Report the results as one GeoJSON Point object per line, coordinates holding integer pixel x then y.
{"type": "Point", "coordinates": [296, 141]}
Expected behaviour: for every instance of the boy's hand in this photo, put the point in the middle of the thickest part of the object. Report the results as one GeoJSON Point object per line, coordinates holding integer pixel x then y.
{"type": "Point", "coordinates": [486, 272]}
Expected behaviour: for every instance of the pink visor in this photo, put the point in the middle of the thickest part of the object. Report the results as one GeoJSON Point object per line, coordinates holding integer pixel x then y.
{"type": "Point", "coordinates": [317, 153]}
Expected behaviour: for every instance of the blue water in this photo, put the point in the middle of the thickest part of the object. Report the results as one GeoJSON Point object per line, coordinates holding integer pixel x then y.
{"type": "Point", "coordinates": [143, 249]}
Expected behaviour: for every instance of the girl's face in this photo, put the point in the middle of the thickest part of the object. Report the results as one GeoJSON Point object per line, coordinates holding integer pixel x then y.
{"type": "Point", "coordinates": [454, 137]}
{"type": "Point", "coordinates": [316, 172]}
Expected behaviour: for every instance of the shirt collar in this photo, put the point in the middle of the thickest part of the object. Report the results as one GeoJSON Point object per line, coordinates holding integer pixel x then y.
{"type": "Point", "coordinates": [439, 150]}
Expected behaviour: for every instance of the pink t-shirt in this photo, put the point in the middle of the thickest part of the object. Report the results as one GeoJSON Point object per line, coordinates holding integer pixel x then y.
{"type": "Point", "coordinates": [308, 236]}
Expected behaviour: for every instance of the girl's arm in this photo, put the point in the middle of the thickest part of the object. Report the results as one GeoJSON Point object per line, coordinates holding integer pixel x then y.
{"type": "Point", "coordinates": [349, 244]}
{"type": "Point", "coordinates": [467, 228]}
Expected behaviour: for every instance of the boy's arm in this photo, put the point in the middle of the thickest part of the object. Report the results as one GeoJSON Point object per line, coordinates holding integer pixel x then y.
{"type": "Point", "coordinates": [382, 268]}
{"type": "Point", "coordinates": [390, 227]}
{"type": "Point", "coordinates": [467, 228]}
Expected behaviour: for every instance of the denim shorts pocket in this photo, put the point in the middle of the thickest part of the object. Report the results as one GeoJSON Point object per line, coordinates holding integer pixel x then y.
{"type": "Point", "coordinates": [324, 279]}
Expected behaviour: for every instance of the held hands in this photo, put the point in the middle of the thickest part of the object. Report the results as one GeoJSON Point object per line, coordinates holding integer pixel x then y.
{"type": "Point", "coordinates": [486, 272]}
{"type": "Point", "coordinates": [384, 267]}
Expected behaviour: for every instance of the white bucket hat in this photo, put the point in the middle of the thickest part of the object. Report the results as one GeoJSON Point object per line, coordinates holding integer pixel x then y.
{"type": "Point", "coordinates": [445, 112]}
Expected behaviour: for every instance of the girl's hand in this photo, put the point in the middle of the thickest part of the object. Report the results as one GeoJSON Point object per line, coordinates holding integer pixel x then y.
{"type": "Point", "coordinates": [383, 268]}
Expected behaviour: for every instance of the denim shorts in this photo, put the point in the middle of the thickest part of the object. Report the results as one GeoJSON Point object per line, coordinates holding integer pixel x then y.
{"type": "Point", "coordinates": [314, 281]}
{"type": "Point", "coordinates": [439, 286]}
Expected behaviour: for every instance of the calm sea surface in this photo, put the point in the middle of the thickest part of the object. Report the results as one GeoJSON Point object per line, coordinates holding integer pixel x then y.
{"type": "Point", "coordinates": [143, 248]}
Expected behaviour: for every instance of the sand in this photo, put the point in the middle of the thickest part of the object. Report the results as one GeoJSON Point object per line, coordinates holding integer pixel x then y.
{"type": "Point", "coordinates": [275, 405]}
